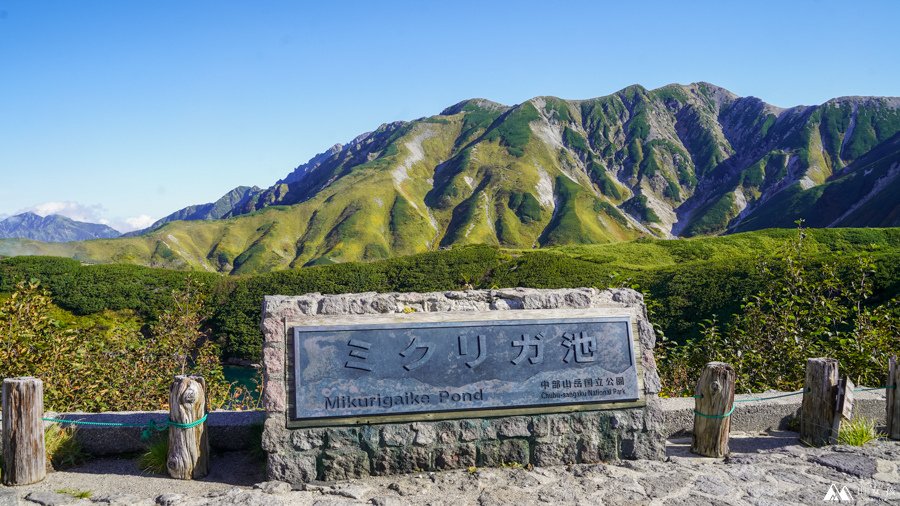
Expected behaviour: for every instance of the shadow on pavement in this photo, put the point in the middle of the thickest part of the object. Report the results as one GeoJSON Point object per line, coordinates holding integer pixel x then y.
{"type": "Point", "coordinates": [232, 468]}
{"type": "Point", "coordinates": [738, 444]}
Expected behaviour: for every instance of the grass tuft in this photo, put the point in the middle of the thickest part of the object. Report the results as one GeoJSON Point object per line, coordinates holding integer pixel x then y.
{"type": "Point", "coordinates": [155, 458]}
{"type": "Point", "coordinates": [858, 432]}
{"type": "Point", "coordinates": [77, 494]}
{"type": "Point", "coordinates": [62, 447]}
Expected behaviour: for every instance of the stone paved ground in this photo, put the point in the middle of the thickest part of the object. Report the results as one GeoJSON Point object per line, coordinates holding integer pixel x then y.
{"type": "Point", "coordinates": [762, 470]}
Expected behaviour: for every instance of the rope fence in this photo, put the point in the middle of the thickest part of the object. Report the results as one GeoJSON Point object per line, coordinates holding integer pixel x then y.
{"type": "Point", "coordinates": [828, 402]}
{"type": "Point", "coordinates": [148, 427]}
{"type": "Point", "coordinates": [799, 392]}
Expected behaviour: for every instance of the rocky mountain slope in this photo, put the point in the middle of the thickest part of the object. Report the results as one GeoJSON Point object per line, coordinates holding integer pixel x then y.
{"type": "Point", "coordinates": [223, 208]}
{"type": "Point", "coordinates": [52, 228]}
{"type": "Point", "coordinates": [680, 160]}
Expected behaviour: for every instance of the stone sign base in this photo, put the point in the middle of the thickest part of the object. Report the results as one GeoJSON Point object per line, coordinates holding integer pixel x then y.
{"type": "Point", "coordinates": [300, 455]}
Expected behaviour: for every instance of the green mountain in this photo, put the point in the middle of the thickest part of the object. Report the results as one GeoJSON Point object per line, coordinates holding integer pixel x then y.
{"type": "Point", "coordinates": [680, 160]}
{"type": "Point", "coordinates": [222, 208]}
{"type": "Point", "coordinates": [52, 228]}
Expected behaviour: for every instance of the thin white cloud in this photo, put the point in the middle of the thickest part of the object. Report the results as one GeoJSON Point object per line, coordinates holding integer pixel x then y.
{"type": "Point", "coordinates": [138, 222]}
{"type": "Point", "coordinates": [70, 209]}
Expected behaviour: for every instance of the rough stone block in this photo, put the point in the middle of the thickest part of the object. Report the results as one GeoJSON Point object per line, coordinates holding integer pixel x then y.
{"type": "Point", "coordinates": [597, 447]}
{"type": "Point", "coordinates": [588, 422]}
{"type": "Point", "coordinates": [397, 435]}
{"type": "Point", "coordinates": [273, 360]}
{"type": "Point", "coordinates": [308, 439]}
{"type": "Point", "coordinates": [516, 426]}
{"type": "Point", "coordinates": [508, 451]}
{"type": "Point", "coordinates": [455, 456]}
{"type": "Point", "coordinates": [274, 396]}
{"type": "Point", "coordinates": [425, 434]}
{"type": "Point", "coordinates": [551, 425]}
{"type": "Point", "coordinates": [344, 464]}
{"type": "Point", "coordinates": [448, 432]}
{"type": "Point", "coordinates": [554, 451]}
{"type": "Point", "coordinates": [642, 445]}
{"type": "Point", "coordinates": [341, 438]}
{"type": "Point", "coordinates": [469, 430]}
{"type": "Point", "coordinates": [407, 459]}
{"type": "Point", "coordinates": [292, 467]}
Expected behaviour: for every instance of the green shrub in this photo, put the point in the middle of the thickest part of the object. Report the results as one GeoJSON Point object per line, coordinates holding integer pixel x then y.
{"type": "Point", "coordinates": [804, 309]}
{"type": "Point", "coordinates": [119, 370]}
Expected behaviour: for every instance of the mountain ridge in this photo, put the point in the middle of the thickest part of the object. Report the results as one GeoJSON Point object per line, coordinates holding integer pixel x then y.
{"type": "Point", "coordinates": [679, 160]}
{"type": "Point", "coordinates": [52, 228]}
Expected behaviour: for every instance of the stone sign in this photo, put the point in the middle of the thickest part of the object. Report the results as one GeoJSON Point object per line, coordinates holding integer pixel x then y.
{"type": "Point", "coordinates": [343, 373]}
{"type": "Point", "coordinates": [381, 383]}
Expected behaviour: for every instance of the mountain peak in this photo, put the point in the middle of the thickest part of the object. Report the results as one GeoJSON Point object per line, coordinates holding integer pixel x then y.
{"type": "Point", "coordinates": [473, 104]}
{"type": "Point", "coordinates": [857, 100]}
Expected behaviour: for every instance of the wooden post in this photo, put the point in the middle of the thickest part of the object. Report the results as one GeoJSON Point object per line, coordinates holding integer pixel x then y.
{"type": "Point", "coordinates": [24, 457]}
{"type": "Point", "coordinates": [818, 412]}
{"type": "Point", "coordinates": [712, 413]}
{"type": "Point", "coordinates": [893, 399]}
{"type": "Point", "coordinates": [188, 448]}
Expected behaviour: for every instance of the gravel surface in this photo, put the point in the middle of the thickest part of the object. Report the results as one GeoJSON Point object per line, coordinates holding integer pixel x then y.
{"type": "Point", "coordinates": [762, 470]}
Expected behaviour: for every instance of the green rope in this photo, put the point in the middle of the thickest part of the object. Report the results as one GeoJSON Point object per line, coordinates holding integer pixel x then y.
{"type": "Point", "coordinates": [190, 425]}
{"type": "Point", "coordinates": [752, 399]}
{"type": "Point", "coordinates": [700, 396]}
{"type": "Point", "coordinates": [96, 424]}
{"type": "Point", "coordinates": [886, 387]}
{"type": "Point", "coordinates": [148, 427]}
{"type": "Point", "coordinates": [726, 415]}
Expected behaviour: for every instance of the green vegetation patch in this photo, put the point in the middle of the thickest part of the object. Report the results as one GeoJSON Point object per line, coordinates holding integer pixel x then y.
{"type": "Point", "coordinates": [526, 206]}
{"type": "Point", "coordinates": [692, 279]}
{"type": "Point", "coordinates": [638, 207]}
{"type": "Point", "coordinates": [514, 130]}
{"type": "Point", "coordinates": [873, 126]}
{"type": "Point", "coordinates": [607, 185]}
{"type": "Point", "coordinates": [476, 120]}
{"type": "Point", "coordinates": [558, 108]}
{"type": "Point", "coordinates": [576, 141]}
{"type": "Point", "coordinates": [715, 217]}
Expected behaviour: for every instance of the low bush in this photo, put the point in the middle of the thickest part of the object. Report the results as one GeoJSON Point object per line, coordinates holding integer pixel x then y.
{"type": "Point", "coordinates": [120, 370]}
{"type": "Point", "coordinates": [805, 308]}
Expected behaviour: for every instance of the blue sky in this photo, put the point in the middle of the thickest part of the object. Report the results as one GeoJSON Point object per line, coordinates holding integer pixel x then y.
{"type": "Point", "coordinates": [127, 111]}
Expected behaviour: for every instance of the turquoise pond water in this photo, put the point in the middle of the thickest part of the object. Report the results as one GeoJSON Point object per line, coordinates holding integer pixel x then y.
{"type": "Point", "coordinates": [243, 376]}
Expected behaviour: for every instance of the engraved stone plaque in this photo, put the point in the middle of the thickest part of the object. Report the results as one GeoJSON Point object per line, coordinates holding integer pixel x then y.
{"type": "Point", "coordinates": [366, 371]}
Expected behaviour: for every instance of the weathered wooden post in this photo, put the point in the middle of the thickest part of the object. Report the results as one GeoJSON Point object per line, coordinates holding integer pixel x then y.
{"type": "Point", "coordinates": [893, 399]}
{"type": "Point", "coordinates": [714, 403]}
{"type": "Point", "coordinates": [188, 447]}
{"type": "Point", "coordinates": [24, 457]}
{"type": "Point", "coordinates": [818, 411]}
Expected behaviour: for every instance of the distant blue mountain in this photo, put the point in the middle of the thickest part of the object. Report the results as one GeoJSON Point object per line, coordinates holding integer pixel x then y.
{"type": "Point", "coordinates": [52, 228]}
